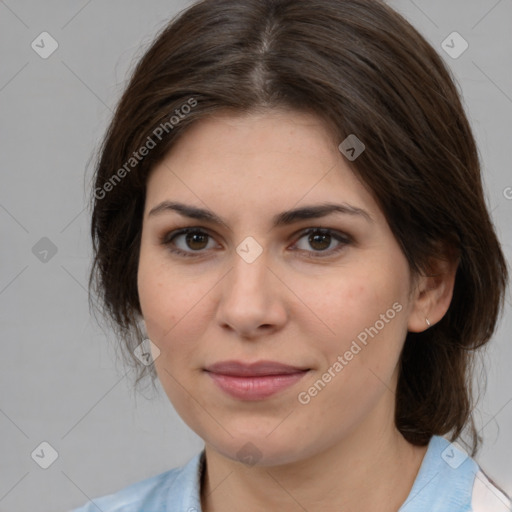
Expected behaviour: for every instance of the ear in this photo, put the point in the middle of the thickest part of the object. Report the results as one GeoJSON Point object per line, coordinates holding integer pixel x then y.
{"type": "Point", "coordinates": [433, 292]}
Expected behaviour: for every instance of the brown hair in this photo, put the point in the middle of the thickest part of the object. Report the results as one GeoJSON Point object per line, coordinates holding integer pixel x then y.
{"type": "Point", "coordinates": [364, 70]}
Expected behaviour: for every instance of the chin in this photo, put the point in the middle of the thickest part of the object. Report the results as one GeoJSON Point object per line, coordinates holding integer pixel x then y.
{"type": "Point", "coordinates": [255, 450]}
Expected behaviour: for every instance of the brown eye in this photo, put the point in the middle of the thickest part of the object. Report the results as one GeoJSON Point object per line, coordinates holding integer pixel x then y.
{"type": "Point", "coordinates": [322, 240]}
{"type": "Point", "coordinates": [314, 242]}
{"type": "Point", "coordinates": [188, 241]}
{"type": "Point", "coordinates": [196, 240]}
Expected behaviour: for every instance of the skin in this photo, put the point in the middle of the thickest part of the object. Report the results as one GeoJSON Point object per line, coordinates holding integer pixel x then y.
{"type": "Point", "coordinates": [340, 451]}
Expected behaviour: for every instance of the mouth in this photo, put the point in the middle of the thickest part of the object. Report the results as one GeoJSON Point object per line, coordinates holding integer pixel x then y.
{"type": "Point", "coordinates": [255, 381]}
{"type": "Point", "coordinates": [256, 369]}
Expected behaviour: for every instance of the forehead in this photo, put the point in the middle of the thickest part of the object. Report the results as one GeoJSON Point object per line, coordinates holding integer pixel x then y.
{"type": "Point", "coordinates": [272, 159]}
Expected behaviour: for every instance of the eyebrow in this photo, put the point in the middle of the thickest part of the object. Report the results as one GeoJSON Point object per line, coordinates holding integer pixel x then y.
{"type": "Point", "coordinates": [281, 219]}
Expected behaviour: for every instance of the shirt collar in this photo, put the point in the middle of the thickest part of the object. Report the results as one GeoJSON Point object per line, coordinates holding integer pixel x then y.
{"type": "Point", "coordinates": [444, 481]}
{"type": "Point", "coordinates": [443, 484]}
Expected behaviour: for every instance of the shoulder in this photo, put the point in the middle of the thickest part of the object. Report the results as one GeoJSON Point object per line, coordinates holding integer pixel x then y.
{"type": "Point", "coordinates": [487, 497]}
{"type": "Point", "coordinates": [130, 498]}
{"type": "Point", "coordinates": [450, 480]}
{"type": "Point", "coordinates": [171, 487]}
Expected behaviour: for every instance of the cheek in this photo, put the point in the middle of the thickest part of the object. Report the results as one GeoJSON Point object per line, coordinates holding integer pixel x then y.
{"type": "Point", "coordinates": [363, 320]}
{"type": "Point", "coordinates": [367, 316]}
{"type": "Point", "coordinates": [353, 300]}
{"type": "Point", "coordinates": [175, 306]}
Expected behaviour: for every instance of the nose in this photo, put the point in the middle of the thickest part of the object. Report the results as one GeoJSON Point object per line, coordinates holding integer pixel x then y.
{"type": "Point", "coordinates": [252, 299]}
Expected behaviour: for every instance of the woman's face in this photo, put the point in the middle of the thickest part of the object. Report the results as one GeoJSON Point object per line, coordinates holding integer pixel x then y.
{"type": "Point", "coordinates": [336, 302]}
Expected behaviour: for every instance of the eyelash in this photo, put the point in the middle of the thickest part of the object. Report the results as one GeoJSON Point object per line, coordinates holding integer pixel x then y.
{"type": "Point", "coordinates": [344, 239]}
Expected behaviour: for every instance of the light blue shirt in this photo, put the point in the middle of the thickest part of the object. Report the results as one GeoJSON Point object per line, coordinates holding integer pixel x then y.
{"type": "Point", "coordinates": [448, 481]}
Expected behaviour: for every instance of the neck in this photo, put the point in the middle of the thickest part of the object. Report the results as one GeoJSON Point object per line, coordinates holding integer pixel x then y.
{"type": "Point", "coordinates": [363, 471]}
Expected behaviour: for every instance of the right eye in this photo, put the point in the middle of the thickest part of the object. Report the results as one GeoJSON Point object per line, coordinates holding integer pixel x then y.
{"type": "Point", "coordinates": [187, 241]}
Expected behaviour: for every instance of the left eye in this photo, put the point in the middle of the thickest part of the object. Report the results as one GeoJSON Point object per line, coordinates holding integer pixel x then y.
{"type": "Point", "coordinates": [321, 240]}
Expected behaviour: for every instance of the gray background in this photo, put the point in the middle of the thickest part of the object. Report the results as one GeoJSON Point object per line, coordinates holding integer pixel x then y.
{"type": "Point", "coordinates": [60, 381]}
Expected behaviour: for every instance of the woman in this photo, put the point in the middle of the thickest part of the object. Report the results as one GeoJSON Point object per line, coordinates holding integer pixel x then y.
{"type": "Point", "coordinates": [288, 206]}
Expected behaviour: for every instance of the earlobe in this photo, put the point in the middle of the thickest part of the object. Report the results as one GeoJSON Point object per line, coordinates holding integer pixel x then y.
{"type": "Point", "coordinates": [433, 295]}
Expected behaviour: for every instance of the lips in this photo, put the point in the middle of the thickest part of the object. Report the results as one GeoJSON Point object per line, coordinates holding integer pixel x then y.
{"type": "Point", "coordinates": [257, 369]}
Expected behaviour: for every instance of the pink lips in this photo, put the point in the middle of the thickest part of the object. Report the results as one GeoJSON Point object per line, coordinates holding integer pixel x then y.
{"type": "Point", "coordinates": [254, 381]}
